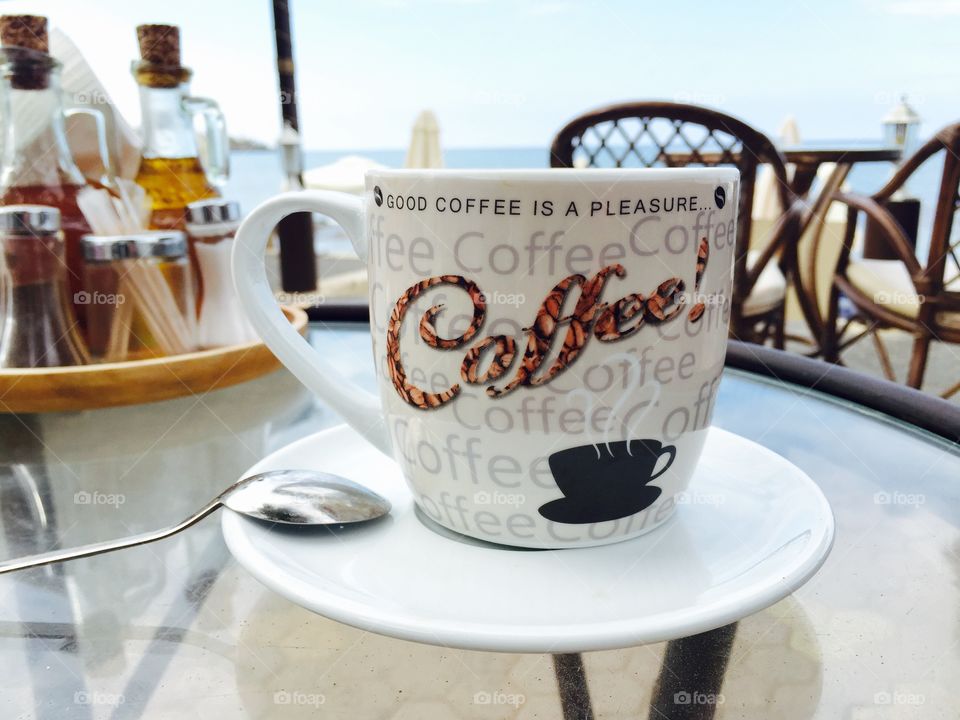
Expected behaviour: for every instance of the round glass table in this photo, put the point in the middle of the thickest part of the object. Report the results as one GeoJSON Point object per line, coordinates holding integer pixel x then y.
{"type": "Point", "coordinates": [178, 629]}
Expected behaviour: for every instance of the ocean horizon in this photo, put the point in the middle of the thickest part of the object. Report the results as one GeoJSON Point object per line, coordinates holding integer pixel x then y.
{"type": "Point", "coordinates": [257, 175]}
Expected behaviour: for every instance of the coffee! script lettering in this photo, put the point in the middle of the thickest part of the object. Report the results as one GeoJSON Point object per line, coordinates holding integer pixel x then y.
{"type": "Point", "coordinates": [608, 322]}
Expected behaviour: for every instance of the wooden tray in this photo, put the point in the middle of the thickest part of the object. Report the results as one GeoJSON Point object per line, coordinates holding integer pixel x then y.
{"type": "Point", "coordinates": [27, 390]}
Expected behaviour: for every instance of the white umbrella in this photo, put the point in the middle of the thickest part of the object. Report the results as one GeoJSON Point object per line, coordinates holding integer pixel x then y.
{"type": "Point", "coordinates": [424, 150]}
{"type": "Point", "coordinates": [789, 133]}
{"type": "Point", "coordinates": [345, 175]}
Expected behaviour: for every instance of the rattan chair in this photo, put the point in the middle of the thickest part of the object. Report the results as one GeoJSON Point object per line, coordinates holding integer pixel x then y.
{"type": "Point", "coordinates": [921, 299]}
{"type": "Point", "coordinates": [666, 134]}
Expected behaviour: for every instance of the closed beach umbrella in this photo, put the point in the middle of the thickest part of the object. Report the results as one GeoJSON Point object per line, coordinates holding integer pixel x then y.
{"type": "Point", "coordinates": [424, 150]}
{"type": "Point", "coordinates": [789, 133]}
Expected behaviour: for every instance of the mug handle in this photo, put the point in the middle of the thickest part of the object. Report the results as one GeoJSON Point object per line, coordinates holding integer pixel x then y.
{"type": "Point", "coordinates": [667, 449]}
{"type": "Point", "coordinates": [358, 407]}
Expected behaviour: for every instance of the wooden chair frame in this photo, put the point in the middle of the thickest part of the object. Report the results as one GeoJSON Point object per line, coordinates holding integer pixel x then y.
{"type": "Point", "coordinates": [927, 279]}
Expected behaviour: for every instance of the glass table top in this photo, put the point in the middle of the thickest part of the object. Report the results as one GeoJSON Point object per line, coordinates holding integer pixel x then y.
{"type": "Point", "coordinates": [177, 629]}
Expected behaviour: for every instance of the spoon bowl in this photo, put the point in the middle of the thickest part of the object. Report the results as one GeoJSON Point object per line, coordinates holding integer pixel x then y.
{"type": "Point", "coordinates": [304, 497]}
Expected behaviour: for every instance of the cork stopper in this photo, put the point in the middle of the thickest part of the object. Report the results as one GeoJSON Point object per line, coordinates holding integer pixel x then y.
{"type": "Point", "coordinates": [26, 47]}
{"type": "Point", "coordinates": [159, 65]}
{"type": "Point", "coordinates": [159, 44]}
{"type": "Point", "coordinates": [26, 31]}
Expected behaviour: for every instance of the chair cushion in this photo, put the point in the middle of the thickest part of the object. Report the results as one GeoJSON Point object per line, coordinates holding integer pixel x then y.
{"type": "Point", "coordinates": [888, 283]}
{"type": "Point", "coordinates": [769, 290]}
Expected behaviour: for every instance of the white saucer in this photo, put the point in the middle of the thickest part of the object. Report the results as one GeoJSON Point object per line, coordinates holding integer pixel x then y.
{"type": "Point", "coordinates": [753, 529]}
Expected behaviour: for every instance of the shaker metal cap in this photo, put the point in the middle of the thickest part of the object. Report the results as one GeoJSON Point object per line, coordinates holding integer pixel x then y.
{"type": "Point", "coordinates": [158, 244]}
{"type": "Point", "coordinates": [29, 220]}
{"type": "Point", "coordinates": [213, 212]}
{"type": "Point", "coordinates": [108, 247]}
{"type": "Point", "coordinates": [161, 243]}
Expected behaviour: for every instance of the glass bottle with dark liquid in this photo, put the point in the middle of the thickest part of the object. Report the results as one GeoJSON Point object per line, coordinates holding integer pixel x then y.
{"type": "Point", "coordinates": [171, 170]}
{"type": "Point", "coordinates": [37, 166]}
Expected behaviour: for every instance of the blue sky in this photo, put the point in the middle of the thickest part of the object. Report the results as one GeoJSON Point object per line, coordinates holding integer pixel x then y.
{"type": "Point", "coordinates": [511, 72]}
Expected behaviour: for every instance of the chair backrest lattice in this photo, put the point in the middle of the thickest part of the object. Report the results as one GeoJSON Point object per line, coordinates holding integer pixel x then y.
{"type": "Point", "coordinates": [666, 134]}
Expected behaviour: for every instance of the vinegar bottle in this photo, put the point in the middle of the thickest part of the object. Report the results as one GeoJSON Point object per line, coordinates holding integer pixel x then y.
{"type": "Point", "coordinates": [37, 166]}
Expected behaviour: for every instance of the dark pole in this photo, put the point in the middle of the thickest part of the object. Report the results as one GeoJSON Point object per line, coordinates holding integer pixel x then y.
{"type": "Point", "coordinates": [572, 682]}
{"type": "Point", "coordinates": [692, 674]}
{"type": "Point", "coordinates": [298, 271]}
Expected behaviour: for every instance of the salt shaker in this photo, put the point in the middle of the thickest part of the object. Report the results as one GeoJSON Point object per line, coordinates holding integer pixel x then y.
{"type": "Point", "coordinates": [212, 224]}
{"type": "Point", "coordinates": [39, 328]}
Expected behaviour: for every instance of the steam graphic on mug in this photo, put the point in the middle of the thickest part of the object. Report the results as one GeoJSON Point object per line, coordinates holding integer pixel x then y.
{"type": "Point", "coordinates": [609, 480]}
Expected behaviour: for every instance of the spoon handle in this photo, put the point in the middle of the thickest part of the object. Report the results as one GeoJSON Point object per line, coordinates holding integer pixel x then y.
{"type": "Point", "coordinates": [107, 546]}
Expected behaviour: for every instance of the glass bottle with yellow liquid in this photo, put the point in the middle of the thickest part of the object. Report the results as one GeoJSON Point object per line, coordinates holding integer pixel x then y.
{"type": "Point", "coordinates": [175, 170]}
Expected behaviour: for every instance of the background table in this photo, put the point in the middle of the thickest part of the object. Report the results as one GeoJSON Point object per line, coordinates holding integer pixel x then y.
{"type": "Point", "coordinates": [807, 160]}
{"type": "Point", "coordinates": [178, 630]}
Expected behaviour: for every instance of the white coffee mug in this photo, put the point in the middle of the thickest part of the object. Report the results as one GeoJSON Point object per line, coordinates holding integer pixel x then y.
{"type": "Point", "coordinates": [548, 343]}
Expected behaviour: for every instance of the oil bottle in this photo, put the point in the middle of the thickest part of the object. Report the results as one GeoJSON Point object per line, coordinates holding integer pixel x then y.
{"type": "Point", "coordinates": [171, 170]}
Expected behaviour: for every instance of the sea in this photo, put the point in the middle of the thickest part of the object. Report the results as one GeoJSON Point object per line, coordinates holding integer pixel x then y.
{"type": "Point", "coordinates": [256, 175]}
